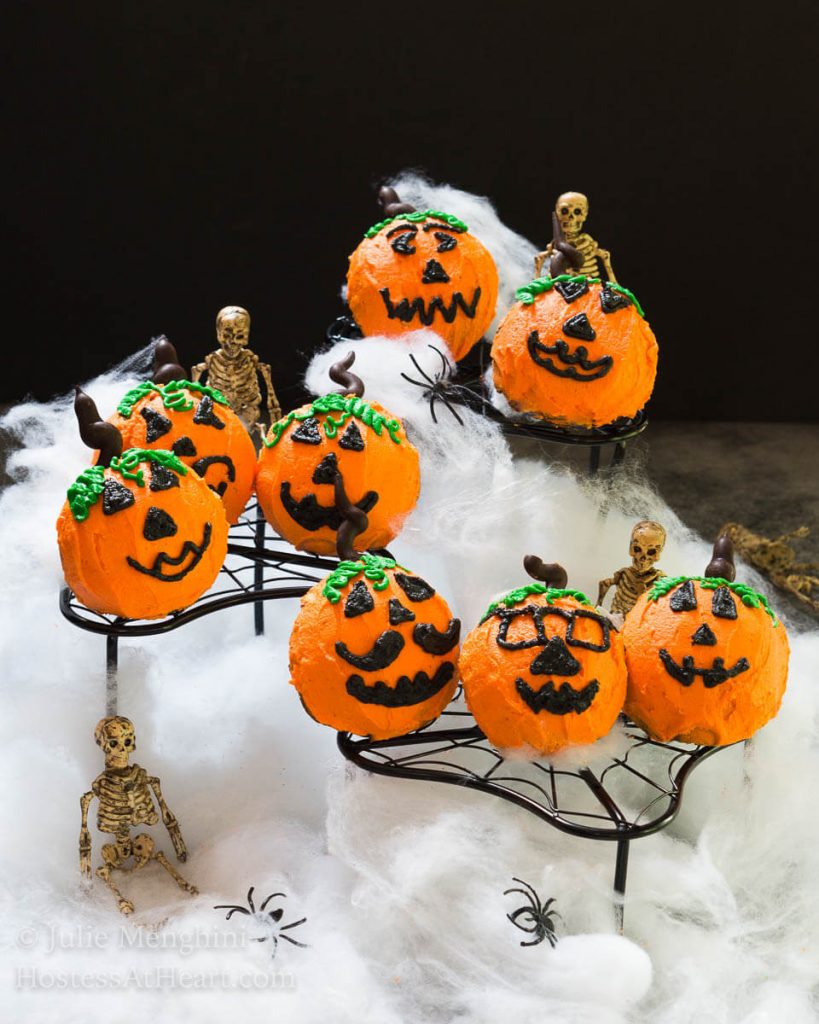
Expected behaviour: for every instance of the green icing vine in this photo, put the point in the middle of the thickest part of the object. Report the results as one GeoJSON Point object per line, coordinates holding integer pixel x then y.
{"type": "Point", "coordinates": [172, 394]}
{"type": "Point", "coordinates": [85, 490]}
{"type": "Point", "coordinates": [551, 594]}
{"type": "Point", "coordinates": [529, 292]}
{"type": "Point", "coordinates": [373, 568]}
{"type": "Point", "coordinates": [419, 215]}
{"type": "Point", "coordinates": [748, 596]}
{"type": "Point", "coordinates": [348, 406]}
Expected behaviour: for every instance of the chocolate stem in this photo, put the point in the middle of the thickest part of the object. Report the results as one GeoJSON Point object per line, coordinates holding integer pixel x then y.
{"type": "Point", "coordinates": [564, 256]}
{"type": "Point", "coordinates": [355, 522]}
{"type": "Point", "coordinates": [391, 204]}
{"type": "Point", "coordinates": [547, 572]}
{"type": "Point", "coordinates": [94, 431]}
{"type": "Point", "coordinates": [722, 560]}
{"type": "Point", "coordinates": [166, 362]}
{"type": "Point", "coordinates": [351, 385]}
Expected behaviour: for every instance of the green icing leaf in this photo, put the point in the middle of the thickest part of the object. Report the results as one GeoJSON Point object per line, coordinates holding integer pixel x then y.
{"type": "Point", "coordinates": [85, 490]}
{"type": "Point", "coordinates": [529, 292]}
{"type": "Point", "coordinates": [414, 218]}
{"type": "Point", "coordinates": [371, 566]}
{"type": "Point", "coordinates": [347, 406]}
{"type": "Point", "coordinates": [517, 596]}
{"type": "Point", "coordinates": [172, 394]}
{"type": "Point", "coordinates": [748, 596]}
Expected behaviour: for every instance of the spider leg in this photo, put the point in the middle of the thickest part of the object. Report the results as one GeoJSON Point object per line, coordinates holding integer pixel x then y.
{"type": "Point", "coordinates": [231, 910]}
{"type": "Point", "coordinates": [295, 943]}
{"type": "Point", "coordinates": [417, 383]}
{"type": "Point", "coordinates": [292, 924]}
{"type": "Point", "coordinates": [250, 898]}
{"type": "Point", "coordinates": [420, 369]}
{"type": "Point", "coordinates": [270, 897]}
{"type": "Point", "coordinates": [451, 408]}
{"type": "Point", "coordinates": [446, 369]}
{"type": "Point", "coordinates": [432, 407]}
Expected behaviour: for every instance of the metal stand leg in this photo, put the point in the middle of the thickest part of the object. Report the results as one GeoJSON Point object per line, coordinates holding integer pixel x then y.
{"type": "Point", "coordinates": [258, 573]}
{"type": "Point", "coordinates": [111, 664]}
{"type": "Point", "coordinates": [620, 872]}
{"type": "Point", "coordinates": [594, 459]}
{"type": "Point", "coordinates": [619, 455]}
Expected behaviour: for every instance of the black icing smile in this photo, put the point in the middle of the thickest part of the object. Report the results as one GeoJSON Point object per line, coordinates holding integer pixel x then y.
{"type": "Point", "coordinates": [382, 654]}
{"type": "Point", "coordinates": [570, 361]}
{"type": "Point", "coordinates": [197, 550]}
{"type": "Point", "coordinates": [560, 700]}
{"type": "Point", "coordinates": [425, 311]}
{"type": "Point", "coordinates": [406, 691]}
{"type": "Point", "coordinates": [310, 515]}
{"type": "Point", "coordinates": [711, 677]}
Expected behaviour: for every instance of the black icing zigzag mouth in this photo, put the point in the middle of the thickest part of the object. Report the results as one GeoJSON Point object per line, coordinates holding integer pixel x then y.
{"type": "Point", "coordinates": [560, 700]}
{"type": "Point", "coordinates": [541, 354]}
{"type": "Point", "coordinates": [311, 515]}
{"type": "Point", "coordinates": [686, 672]}
{"type": "Point", "coordinates": [406, 692]}
{"type": "Point", "coordinates": [197, 550]}
{"type": "Point", "coordinates": [425, 311]}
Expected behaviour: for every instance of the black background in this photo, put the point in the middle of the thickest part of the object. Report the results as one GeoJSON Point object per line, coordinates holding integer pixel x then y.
{"type": "Point", "coordinates": [165, 160]}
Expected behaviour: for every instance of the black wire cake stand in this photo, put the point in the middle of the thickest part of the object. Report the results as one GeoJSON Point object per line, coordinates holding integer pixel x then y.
{"type": "Point", "coordinates": [637, 793]}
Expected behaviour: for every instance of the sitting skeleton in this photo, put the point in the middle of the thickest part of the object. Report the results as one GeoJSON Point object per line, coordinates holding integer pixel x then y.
{"type": "Point", "coordinates": [125, 801]}
{"type": "Point", "coordinates": [645, 547]}
{"type": "Point", "coordinates": [234, 370]}
{"type": "Point", "coordinates": [572, 209]}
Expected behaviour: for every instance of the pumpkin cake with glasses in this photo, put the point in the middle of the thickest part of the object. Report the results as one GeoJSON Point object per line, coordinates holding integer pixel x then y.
{"type": "Point", "coordinates": [422, 268]}
{"type": "Point", "coordinates": [543, 670]}
{"type": "Point", "coordinates": [575, 350]}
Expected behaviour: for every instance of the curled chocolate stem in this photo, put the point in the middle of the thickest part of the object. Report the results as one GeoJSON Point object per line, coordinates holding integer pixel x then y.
{"type": "Point", "coordinates": [722, 560]}
{"type": "Point", "coordinates": [166, 362]}
{"type": "Point", "coordinates": [564, 256]}
{"type": "Point", "coordinates": [391, 204]}
{"type": "Point", "coordinates": [351, 385]}
{"type": "Point", "coordinates": [355, 522]}
{"type": "Point", "coordinates": [94, 431]}
{"type": "Point", "coordinates": [547, 572]}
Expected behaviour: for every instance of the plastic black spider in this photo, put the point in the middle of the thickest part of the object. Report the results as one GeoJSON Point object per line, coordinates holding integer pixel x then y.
{"type": "Point", "coordinates": [438, 387]}
{"type": "Point", "coordinates": [537, 916]}
{"type": "Point", "coordinates": [269, 920]}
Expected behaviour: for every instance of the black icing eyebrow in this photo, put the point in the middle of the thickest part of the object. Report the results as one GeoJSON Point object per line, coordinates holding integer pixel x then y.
{"type": "Point", "coordinates": [435, 226]}
{"type": "Point", "coordinates": [402, 227]}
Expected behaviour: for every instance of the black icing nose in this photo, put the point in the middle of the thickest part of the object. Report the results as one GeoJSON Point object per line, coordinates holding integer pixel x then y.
{"type": "Point", "coordinates": [158, 524]}
{"type": "Point", "coordinates": [434, 273]}
{"type": "Point", "coordinates": [555, 660]}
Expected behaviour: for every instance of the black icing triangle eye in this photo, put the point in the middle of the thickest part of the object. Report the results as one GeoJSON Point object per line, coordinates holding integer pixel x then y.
{"type": "Point", "coordinates": [307, 432]}
{"type": "Point", "coordinates": [183, 446]}
{"type": "Point", "coordinates": [325, 471]}
{"type": "Point", "coordinates": [206, 416]}
{"type": "Point", "coordinates": [723, 605]}
{"type": "Point", "coordinates": [158, 524]}
{"type": "Point", "coordinates": [351, 439]}
{"type": "Point", "coordinates": [704, 636]}
{"type": "Point", "coordinates": [571, 290]}
{"type": "Point", "coordinates": [157, 424]}
{"type": "Point", "coordinates": [684, 598]}
{"type": "Point", "coordinates": [162, 478]}
{"type": "Point", "coordinates": [398, 613]}
{"type": "Point", "coordinates": [578, 326]}
{"type": "Point", "coordinates": [612, 300]}
{"type": "Point", "coordinates": [414, 587]}
{"type": "Point", "coordinates": [359, 600]}
{"type": "Point", "coordinates": [115, 497]}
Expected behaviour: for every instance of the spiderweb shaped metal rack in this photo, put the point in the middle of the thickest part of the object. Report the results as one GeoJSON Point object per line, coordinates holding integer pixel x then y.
{"type": "Point", "coordinates": [259, 567]}
{"type": "Point", "coordinates": [466, 387]}
{"type": "Point", "coordinates": [636, 793]}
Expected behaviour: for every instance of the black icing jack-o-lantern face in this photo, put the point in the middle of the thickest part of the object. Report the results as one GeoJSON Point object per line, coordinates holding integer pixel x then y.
{"type": "Point", "coordinates": [380, 659]}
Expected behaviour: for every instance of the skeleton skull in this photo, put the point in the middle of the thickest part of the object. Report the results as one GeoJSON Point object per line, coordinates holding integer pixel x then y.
{"type": "Point", "coordinates": [572, 209]}
{"type": "Point", "coordinates": [647, 541]}
{"type": "Point", "coordinates": [116, 738]}
{"type": "Point", "coordinates": [233, 328]}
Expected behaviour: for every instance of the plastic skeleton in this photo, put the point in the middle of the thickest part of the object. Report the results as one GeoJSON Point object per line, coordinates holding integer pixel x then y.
{"type": "Point", "coordinates": [777, 560]}
{"type": "Point", "coordinates": [234, 370]}
{"type": "Point", "coordinates": [572, 209]}
{"type": "Point", "coordinates": [125, 800]}
{"type": "Point", "coordinates": [645, 547]}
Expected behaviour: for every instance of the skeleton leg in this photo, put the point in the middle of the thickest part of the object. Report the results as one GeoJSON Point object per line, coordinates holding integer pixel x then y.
{"type": "Point", "coordinates": [159, 856]}
{"type": "Point", "coordinates": [112, 857]}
